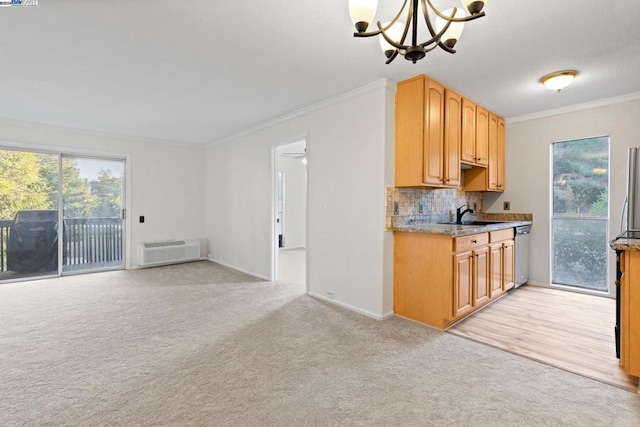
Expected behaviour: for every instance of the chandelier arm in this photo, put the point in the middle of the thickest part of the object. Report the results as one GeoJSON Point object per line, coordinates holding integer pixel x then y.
{"type": "Point", "coordinates": [399, 45]}
{"type": "Point", "coordinates": [445, 48]}
{"type": "Point", "coordinates": [443, 16]}
{"type": "Point", "coordinates": [392, 57]}
{"type": "Point", "coordinates": [393, 42]}
{"type": "Point", "coordinates": [437, 36]}
{"type": "Point", "coordinates": [377, 32]}
{"type": "Point", "coordinates": [425, 13]}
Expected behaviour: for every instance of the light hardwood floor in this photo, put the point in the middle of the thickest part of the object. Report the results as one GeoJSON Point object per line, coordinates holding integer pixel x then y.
{"type": "Point", "coordinates": [567, 330]}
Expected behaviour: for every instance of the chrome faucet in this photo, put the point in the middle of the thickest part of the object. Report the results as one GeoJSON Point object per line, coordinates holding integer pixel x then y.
{"type": "Point", "coordinates": [460, 213]}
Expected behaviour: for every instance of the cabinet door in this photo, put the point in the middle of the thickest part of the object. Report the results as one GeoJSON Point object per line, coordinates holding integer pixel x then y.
{"type": "Point", "coordinates": [462, 284]}
{"type": "Point", "coordinates": [410, 122]}
{"type": "Point", "coordinates": [468, 144]}
{"type": "Point", "coordinates": [501, 153]}
{"type": "Point", "coordinates": [508, 268]}
{"type": "Point", "coordinates": [452, 138]}
{"type": "Point", "coordinates": [481, 276]}
{"type": "Point", "coordinates": [492, 167]}
{"type": "Point", "coordinates": [482, 136]}
{"type": "Point", "coordinates": [434, 134]}
{"type": "Point", "coordinates": [495, 269]}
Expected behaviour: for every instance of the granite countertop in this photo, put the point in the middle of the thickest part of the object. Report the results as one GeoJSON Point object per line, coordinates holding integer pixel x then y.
{"type": "Point", "coordinates": [461, 230]}
{"type": "Point", "coordinates": [627, 245]}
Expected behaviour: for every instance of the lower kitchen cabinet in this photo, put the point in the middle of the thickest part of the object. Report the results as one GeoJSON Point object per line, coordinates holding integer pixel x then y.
{"type": "Point", "coordinates": [629, 313]}
{"type": "Point", "coordinates": [501, 261]}
{"type": "Point", "coordinates": [440, 279]}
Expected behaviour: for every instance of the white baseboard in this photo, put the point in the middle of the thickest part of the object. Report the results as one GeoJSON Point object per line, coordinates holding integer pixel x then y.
{"type": "Point", "coordinates": [350, 307]}
{"type": "Point", "coordinates": [241, 270]}
{"type": "Point", "coordinates": [389, 315]}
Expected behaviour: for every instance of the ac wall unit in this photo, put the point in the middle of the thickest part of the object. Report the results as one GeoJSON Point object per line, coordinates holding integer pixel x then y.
{"type": "Point", "coordinates": [168, 252]}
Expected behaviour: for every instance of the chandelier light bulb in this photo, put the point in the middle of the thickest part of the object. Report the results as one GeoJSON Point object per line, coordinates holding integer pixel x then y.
{"type": "Point", "coordinates": [453, 33]}
{"type": "Point", "coordinates": [362, 13]}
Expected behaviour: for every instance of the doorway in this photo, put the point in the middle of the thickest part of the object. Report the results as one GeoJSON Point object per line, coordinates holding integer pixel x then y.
{"type": "Point", "coordinates": [290, 213]}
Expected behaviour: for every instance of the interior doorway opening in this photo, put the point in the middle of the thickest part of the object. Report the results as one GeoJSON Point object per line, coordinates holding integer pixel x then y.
{"type": "Point", "coordinates": [290, 213]}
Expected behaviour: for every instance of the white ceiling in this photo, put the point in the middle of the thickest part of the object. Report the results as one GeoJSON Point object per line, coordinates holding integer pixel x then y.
{"type": "Point", "coordinates": [198, 71]}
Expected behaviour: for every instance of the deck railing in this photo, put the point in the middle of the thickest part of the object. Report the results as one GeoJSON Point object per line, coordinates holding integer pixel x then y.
{"type": "Point", "coordinates": [87, 241]}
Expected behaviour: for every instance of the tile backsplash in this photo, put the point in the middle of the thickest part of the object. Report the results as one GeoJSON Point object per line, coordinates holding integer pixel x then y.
{"type": "Point", "coordinates": [428, 204]}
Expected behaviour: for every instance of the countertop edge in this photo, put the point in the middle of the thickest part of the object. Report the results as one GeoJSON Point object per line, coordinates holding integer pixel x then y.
{"type": "Point", "coordinates": [460, 230]}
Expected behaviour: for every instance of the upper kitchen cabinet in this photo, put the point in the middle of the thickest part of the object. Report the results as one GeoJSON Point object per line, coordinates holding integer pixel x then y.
{"type": "Point", "coordinates": [475, 125]}
{"type": "Point", "coordinates": [490, 178]}
{"type": "Point", "coordinates": [423, 159]}
{"type": "Point", "coordinates": [452, 137]}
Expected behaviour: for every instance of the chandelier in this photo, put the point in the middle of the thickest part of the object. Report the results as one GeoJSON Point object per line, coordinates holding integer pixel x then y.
{"type": "Point", "coordinates": [444, 31]}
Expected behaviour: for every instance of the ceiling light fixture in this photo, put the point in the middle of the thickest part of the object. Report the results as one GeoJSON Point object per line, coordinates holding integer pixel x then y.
{"type": "Point", "coordinates": [559, 80]}
{"type": "Point", "coordinates": [444, 32]}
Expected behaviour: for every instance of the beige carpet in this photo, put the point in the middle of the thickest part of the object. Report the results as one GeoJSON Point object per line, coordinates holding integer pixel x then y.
{"type": "Point", "coordinates": [200, 345]}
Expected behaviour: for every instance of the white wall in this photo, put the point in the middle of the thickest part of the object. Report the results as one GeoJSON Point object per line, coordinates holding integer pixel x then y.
{"type": "Point", "coordinates": [347, 246]}
{"type": "Point", "coordinates": [528, 170]}
{"type": "Point", "coordinates": [166, 181]}
{"type": "Point", "coordinates": [295, 201]}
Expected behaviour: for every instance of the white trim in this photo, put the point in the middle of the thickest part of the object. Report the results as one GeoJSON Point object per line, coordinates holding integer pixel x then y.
{"type": "Point", "coordinates": [388, 316]}
{"type": "Point", "coordinates": [56, 149]}
{"type": "Point", "coordinates": [49, 127]}
{"type": "Point", "coordinates": [362, 90]}
{"type": "Point", "coordinates": [241, 270]}
{"type": "Point", "coordinates": [350, 307]}
{"type": "Point", "coordinates": [577, 107]}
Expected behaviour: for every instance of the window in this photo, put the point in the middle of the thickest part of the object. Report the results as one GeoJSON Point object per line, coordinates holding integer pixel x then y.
{"type": "Point", "coordinates": [580, 191]}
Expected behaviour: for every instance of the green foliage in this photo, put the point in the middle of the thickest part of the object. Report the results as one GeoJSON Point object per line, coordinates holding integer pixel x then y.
{"type": "Point", "coordinates": [21, 185]}
{"type": "Point", "coordinates": [580, 176]}
{"type": "Point", "coordinates": [30, 181]}
{"type": "Point", "coordinates": [78, 200]}
{"type": "Point", "coordinates": [601, 206]}
{"type": "Point", "coordinates": [107, 191]}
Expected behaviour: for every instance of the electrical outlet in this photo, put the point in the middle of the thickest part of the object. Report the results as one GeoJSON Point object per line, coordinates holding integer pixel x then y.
{"type": "Point", "coordinates": [475, 206]}
{"type": "Point", "coordinates": [506, 206]}
{"type": "Point", "coordinates": [420, 207]}
{"type": "Point", "coordinates": [396, 208]}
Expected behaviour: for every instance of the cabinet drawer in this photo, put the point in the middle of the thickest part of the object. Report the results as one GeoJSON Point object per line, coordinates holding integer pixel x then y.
{"type": "Point", "coordinates": [496, 236]}
{"type": "Point", "coordinates": [467, 242]}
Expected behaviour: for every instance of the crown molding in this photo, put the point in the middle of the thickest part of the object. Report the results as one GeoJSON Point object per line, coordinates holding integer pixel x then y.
{"type": "Point", "coordinates": [575, 108]}
{"type": "Point", "coordinates": [362, 90]}
{"type": "Point", "coordinates": [26, 124]}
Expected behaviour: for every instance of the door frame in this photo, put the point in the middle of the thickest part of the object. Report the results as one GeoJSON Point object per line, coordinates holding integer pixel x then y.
{"type": "Point", "coordinates": [81, 152]}
{"type": "Point", "coordinates": [273, 174]}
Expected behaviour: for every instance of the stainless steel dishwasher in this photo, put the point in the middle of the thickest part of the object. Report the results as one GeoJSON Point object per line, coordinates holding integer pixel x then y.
{"type": "Point", "coordinates": [521, 248]}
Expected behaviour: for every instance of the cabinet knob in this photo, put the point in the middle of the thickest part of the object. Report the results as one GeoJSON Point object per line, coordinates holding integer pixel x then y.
{"type": "Point", "coordinates": [474, 241]}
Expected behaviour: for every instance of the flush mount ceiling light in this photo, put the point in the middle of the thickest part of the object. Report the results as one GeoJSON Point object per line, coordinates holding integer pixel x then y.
{"type": "Point", "coordinates": [559, 80]}
{"type": "Point", "coordinates": [445, 28]}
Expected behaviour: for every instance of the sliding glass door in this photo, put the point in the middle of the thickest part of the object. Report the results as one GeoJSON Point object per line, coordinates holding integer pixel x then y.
{"type": "Point", "coordinates": [36, 239]}
{"type": "Point", "coordinates": [93, 206]}
{"type": "Point", "coordinates": [28, 214]}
